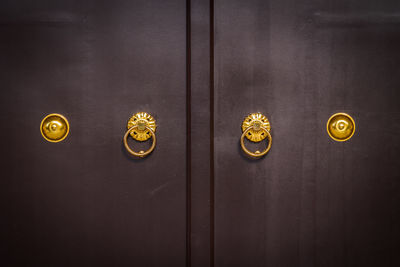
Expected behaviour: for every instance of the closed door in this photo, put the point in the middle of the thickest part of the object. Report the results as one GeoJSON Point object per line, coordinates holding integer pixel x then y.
{"type": "Point", "coordinates": [85, 201]}
{"type": "Point", "coordinates": [311, 201]}
{"type": "Point", "coordinates": [199, 68]}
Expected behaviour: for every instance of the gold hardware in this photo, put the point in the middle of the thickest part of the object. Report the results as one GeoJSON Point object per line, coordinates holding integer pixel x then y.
{"type": "Point", "coordinates": [54, 127]}
{"type": "Point", "coordinates": [340, 127]}
{"type": "Point", "coordinates": [258, 121]}
{"type": "Point", "coordinates": [256, 127]}
{"type": "Point", "coordinates": [142, 120]}
{"type": "Point", "coordinates": [141, 127]}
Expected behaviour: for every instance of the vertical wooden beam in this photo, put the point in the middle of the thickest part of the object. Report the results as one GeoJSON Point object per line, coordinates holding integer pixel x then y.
{"type": "Point", "coordinates": [200, 134]}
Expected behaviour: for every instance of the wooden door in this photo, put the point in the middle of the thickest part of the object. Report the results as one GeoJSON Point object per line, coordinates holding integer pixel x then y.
{"type": "Point", "coordinates": [199, 67]}
{"type": "Point", "coordinates": [85, 201]}
{"type": "Point", "coordinates": [311, 201]}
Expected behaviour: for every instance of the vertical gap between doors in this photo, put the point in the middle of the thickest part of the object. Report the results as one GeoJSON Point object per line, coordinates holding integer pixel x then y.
{"type": "Point", "coordinates": [188, 135]}
{"type": "Point", "coordinates": [212, 178]}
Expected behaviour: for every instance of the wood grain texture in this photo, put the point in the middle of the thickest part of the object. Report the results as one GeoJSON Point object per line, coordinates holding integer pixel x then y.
{"type": "Point", "coordinates": [200, 67]}
{"type": "Point", "coordinates": [311, 201]}
{"type": "Point", "coordinates": [201, 226]}
{"type": "Point", "coordinates": [85, 201]}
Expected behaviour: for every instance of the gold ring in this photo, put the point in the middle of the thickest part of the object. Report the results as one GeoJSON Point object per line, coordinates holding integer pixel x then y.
{"type": "Point", "coordinates": [140, 153]}
{"type": "Point", "coordinates": [256, 154]}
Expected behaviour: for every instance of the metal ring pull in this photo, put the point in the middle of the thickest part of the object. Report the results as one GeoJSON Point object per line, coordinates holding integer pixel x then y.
{"type": "Point", "coordinates": [256, 128]}
{"type": "Point", "coordinates": [141, 127]}
{"type": "Point", "coordinates": [140, 153]}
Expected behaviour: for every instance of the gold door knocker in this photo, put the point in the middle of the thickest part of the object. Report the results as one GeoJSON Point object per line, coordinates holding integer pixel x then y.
{"type": "Point", "coordinates": [141, 127]}
{"type": "Point", "coordinates": [256, 128]}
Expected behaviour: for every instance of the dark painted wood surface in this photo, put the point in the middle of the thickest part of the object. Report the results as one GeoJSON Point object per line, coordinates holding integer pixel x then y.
{"type": "Point", "coordinates": [85, 202]}
{"type": "Point", "coordinates": [200, 187]}
{"type": "Point", "coordinates": [197, 201]}
{"type": "Point", "coordinates": [311, 201]}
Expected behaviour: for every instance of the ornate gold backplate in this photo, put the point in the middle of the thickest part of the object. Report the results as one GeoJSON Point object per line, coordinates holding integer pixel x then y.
{"type": "Point", "coordinates": [141, 119]}
{"type": "Point", "coordinates": [257, 120]}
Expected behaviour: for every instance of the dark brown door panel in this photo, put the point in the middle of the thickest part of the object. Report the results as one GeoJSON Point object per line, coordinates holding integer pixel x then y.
{"type": "Point", "coordinates": [85, 201]}
{"type": "Point", "coordinates": [311, 201]}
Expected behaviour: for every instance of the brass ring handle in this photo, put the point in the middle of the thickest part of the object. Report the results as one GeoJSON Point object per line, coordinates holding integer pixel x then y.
{"type": "Point", "coordinates": [256, 154]}
{"type": "Point", "coordinates": [256, 127]}
{"type": "Point", "coordinates": [140, 153]}
{"type": "Point", "coordinates": [141, 126]}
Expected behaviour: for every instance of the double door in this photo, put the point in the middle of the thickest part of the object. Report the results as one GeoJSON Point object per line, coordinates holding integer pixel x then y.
{"type": "Point", "coordinates": [199, 68]}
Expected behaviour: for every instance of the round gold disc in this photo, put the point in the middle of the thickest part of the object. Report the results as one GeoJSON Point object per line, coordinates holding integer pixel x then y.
{"type": "Point", "coordinates": [54, 127]}
{"type": "Point", "coordinates": [340, 127]}
{"type": "Point", "coordinates": [142, 120]}
{"type": "Point", "coordinates": [257, 121]}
